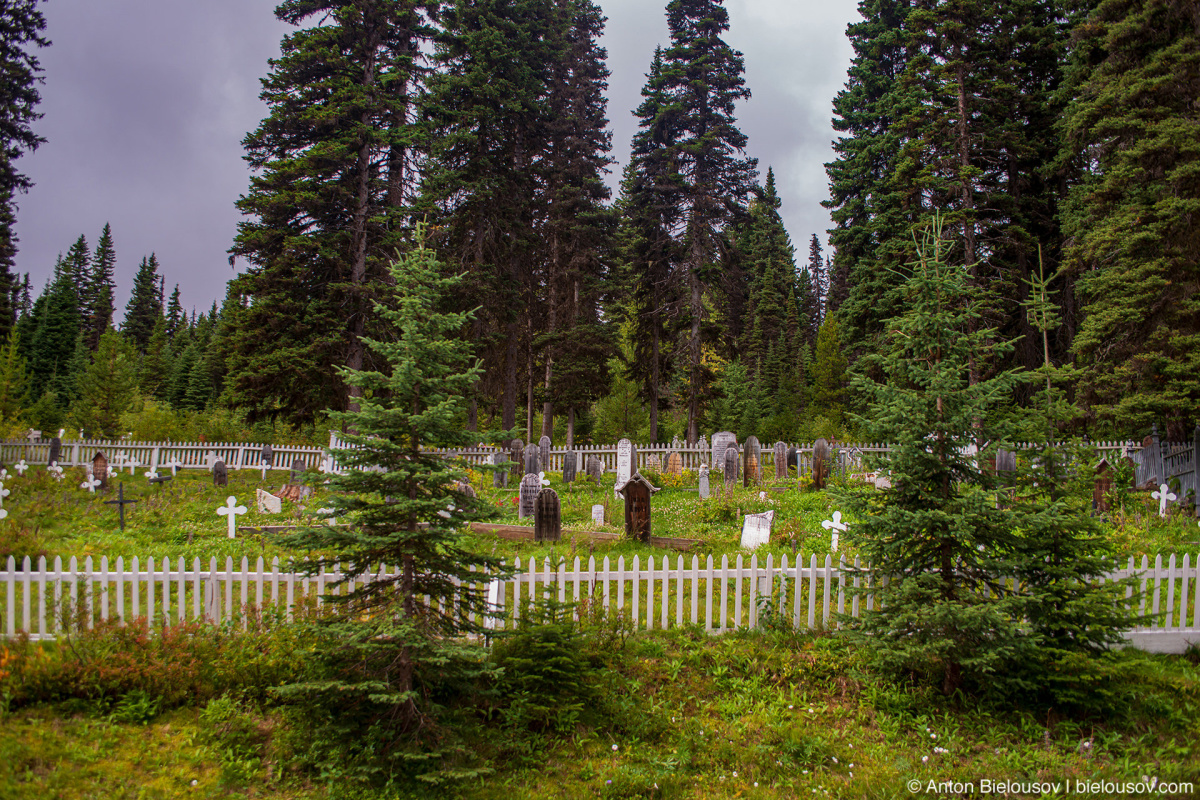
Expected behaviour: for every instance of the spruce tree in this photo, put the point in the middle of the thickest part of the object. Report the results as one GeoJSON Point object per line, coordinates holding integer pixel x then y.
{"type": "Point", "coordinates": [107, 387]}
{"type": "Point", "coordinates": [53, 341]}
{"type": "Point", "coordinates": [14, 381]}
{"type": "Point", "coordinates": [155, 373]}
{"type": "Point", "coordinates": [77, 265]}
{"type": "Point", "coordinates": [145, 305]}
{"type": "Point", "coordinates": [100, 289]}
{"type": "Point", "coordinates": [175, 318]}
{"type": "Point", "coordinates": [829, 373]}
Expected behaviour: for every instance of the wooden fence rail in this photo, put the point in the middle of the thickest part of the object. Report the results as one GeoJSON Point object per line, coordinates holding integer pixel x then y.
{"type": "Point", "coordinates": [43, 599]}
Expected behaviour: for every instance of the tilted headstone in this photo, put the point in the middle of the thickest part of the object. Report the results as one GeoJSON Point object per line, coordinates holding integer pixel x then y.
{"type": "Point", "coordinates": [55, 451]}
{"type": "Point", "coordinates": [220, 474]}
{"type": "Point", "coordinates": [530, 486]}
{"type": "Point", "coordinates": [268, 503]}
{"type": "Point", "coordinates": [516, 455]}
{"type": "Point", "coordinates": [100, 470]}
{"type": "Point", "coordinates": [729, 466]}
{"type": "Point", "coordinates": [544, 454]}
{"type": "Point", "coordinates": [674, 463]}
{"type": "Point", "coordinates": [820, 463]}
{"type": "Point", "coordinates": [751, 464]}
{"type": "Point", "coordinates": [570, 465]}
{"type": "Point", "coordinates": [720, 442]}
{"type": "Point", "coordinates": [297, 470]}
{"type": "Point", "coordinates": [547, 517]}
{"type": "Point", "coordinates": [626, 461]}
{"type": "Point", "coordinates": [595, 469]}
{"type": "Point", "coordinates": [532, 466]}
{"type": "Point", "coordinates": [756, 529]}
{"type": "Point", "coordinates": [499, 476]}
{"type": "Point", "coordinates": [705, 491]}
{"type": "Point", "coordinates": [268, 455]}
{"type": "Point", "coordinates": [781, 465]}
{"type": "Point", "coordinates": [597, 515]}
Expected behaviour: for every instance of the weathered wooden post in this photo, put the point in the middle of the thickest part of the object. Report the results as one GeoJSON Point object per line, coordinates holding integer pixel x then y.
{"type": "Point", "coordinates": [547, 517]}
{"type": "Point", "coordinates": [637, 492]}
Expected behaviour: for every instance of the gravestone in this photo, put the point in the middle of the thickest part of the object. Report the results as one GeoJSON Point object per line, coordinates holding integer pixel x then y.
{"type": "Point", "coordinates": [705, 491]}
{"type": "Point", "coordinates": [751, 471]}
{"type": "Point", "coordinates": [597, 515]}
{"type": "Point", "coordinates": [756, 529]}
{"type": "Point", "coordinates": [626, 461]}
{"type": "Point", "coordinates": [675, 442]}
{"type": "Point", "coordinates": [674, 463]}
{"type": "Point", "coordinates": [464, 488]}
{"type": "Point", "coordinates": [595, 469]}
{"type": "Point", "coordinates": [531, 459]}
{"type": "Point", "coordinates": [1102, 487]}
{"type": "Point", "coordinates": [499, 476]}
{"type": "Point", "coordinates": [702, 448]}
{"type": "Point", "coordinates": [268, 456]}
{"type": "Point", "coordinates": [729, 466]}
{"type": "Point", "coordinates": [793, 460]}
{"type": "Point", "coordinates": [55, 451]}
{"type": "Point", "coordinates": [820, 463]}
{"type": "Point", "coordinates": [268, 503]}
{"type": "Point", "coordinates": [530, 486]}
{"type": "Point", "coordinates": [637, 492]}
{"type": "Point", "coordinates": [720, 442]}
{"type": "Point", "coordinates": [570, 461]}
{"type": "Point", "coordinates": [544, 453]}
{"type": "Point", "coordinates": [654, 464]}
{"type": "Point", "coordinates": [220, 473]}
{"type": "Point", "coordinates": [100, 470]}
{"type": "Point", "coordinates": [781, 465]}
{"type": "Point", "coordinates": [547, 517]}
{"type": "Point", "coordinates": [297, 471]}
{"type": "Point", "coordinates": [516, 455]}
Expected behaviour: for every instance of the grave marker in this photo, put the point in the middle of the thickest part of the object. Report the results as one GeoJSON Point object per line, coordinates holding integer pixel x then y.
{"type": "Point", "coordinates": [544, 453]}
{"type": "Point", "coordinates": [720, 443]}
{"type": "Point", "coordinates": [637, 492]}
{"type": "Point", "coordinates": [820, 464]}
{"type": "Point", "coordinates": [120, 503]}
{"type": "Point", "coordinates": [516, 452]}
{"type": "Point", "coordinates": [532, 465]}
{"type": "Point", "coordinates": [297, 471]}
{"type": "Point", "coordinates": [220, 474]}
{"type": "Point", "coordinates": [100, 469]}
{"type": "Point", "coordinates": [654, 464]}
{"type": "Point", "coordinates": [751, 471]}
{"type": "Point", "coordinates": [626, 462]}
{"type": "Point", "coordinates": [597, 515]}
{"type": "Point", "coordinates": [547, 517]}
{"type": "Point", "coordinates": [674, 463]}
{"type": "Point", "coordinates": [231, 510]}
{"type": "Point", "coordinates": [90, 484]}
{"type": "Point", "coordinates": [499, 476]}
{"type": "Point", "coordinates": [55, 471]}
{"type": "Point", "coordinates": [729, 466]}
{"type": "Point", "coordinates": [55, 450]}
{"type": "Point", "coordinates": [702, 448]}
{"type": "Point", "coordinates": [595, 470]}
{"type": "Point", "coordinates": [705, 491]}
{"type": "Point", "coordinates": [530, 486]}
{"type": "Point", "coordinates": [756, 529]}
{"type": "Point", "coordinates": [793, 459]}
{"type": "Point", "coordinates": [20, 467]}
{"type": "Point", "coordinates": [781, 465]}
{"type": "Point", "coordinates": [268, 503]}
{"type": "Point", "coordinates": [1164, 495]}
{"type": "Point", "coordinates": [835, 526]}
{"type": "Point", "coordinates": [267, 456]}
{"type": "Point", "coordinates": [570, 465]}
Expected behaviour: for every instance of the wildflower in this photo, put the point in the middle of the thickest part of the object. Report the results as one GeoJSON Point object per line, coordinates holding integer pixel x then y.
{"type": "Point", "coordinates": [933, 736]}
{"type": "Point", "coordinates": [924, 759]}
{"type": "Point", "coordinates": [834, 759]}
{"type": "Point", "coordinates": [735, 773]}
{"type": "Point", "coordinates": [614, 748]}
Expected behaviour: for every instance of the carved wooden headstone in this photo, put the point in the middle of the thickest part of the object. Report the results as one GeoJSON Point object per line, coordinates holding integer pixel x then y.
{"type": "Point", "coordinates": [516, 455]}
{"type": "Point", "coordinates": [595, 469]}
{"type": "Point", "coordinates": [100, 470]}
{"type": "Point", "coordinates": [751, 469]}
{"type": "Point", "coordinates": [532, 466]}
{"type": "Point", "coordinates": [626, 461]}
{"type": "Point", "coordinates": [530, 486]}
{"type": "Point", "coordinates": [499, 476]}
{"type": "Point", "coordinates": [55, 451]}
{"type": "Point", "coordinates": [705, 491]}
{"type": "Point", "coordinates": [547, 517]}
{"type": "Point", "coordinates": [1102, 486]}
{"type": "Point", "coordinates": [544, 453]}
{"type": "Point", "coordinates": [756, 529]}
{"type": "Point", "coordinates": [729, 466]}
{"type": "Point", "coordinates": [268, 455]}
{"type": "Point", "coordinates": [793, 460]}
{"type": "Point", "coordinates": [720, 442]}
{"type": "Point", "coordinates": [820, 463]}
{"type": "Point", "coordinates": [220, 473]}
{"type": "Point", "coordinates": [674, 463]}
{"type": "Point", "coordinates": [637, 492]}
{"type": "Point", "coordinates": [654, 464]}
{"type": "Point", "coordinates": [570, 465]}
{"type": "Point", "coordinates": [781, 466]}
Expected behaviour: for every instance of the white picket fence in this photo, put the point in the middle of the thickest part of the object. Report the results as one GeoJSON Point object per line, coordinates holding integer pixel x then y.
{"type": "Point", "coordinates": [160, 455]}
{"type": "Point", "coordinates": [39, 599]}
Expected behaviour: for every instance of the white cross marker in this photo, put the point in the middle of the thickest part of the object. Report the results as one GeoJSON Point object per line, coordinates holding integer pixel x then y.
{"type": "Point", "coordinates": [1164, 495]}
{"type": "Point", "coordinates": [20, 467]}
{"type": "Point", "coordinates": [55, 470]}
{"type": "Point", "coordinates": [264, 466]}
{"type": "Point", "coordinates": [3, 513]}
{"type": "Point", "coordinates": [835, 525]}
{"type": "Point", "coordinates": [3, 474]}
{"type": "Point", "coordinates": [544, 480]}
{"type": "Point", "coordinates": [231, 510]}
{"type": "Point", "coordinates": [3, 493]}
{"type": "Point", "coordinates": [151, 475]}
{"type": "Point", "coordinates": [90, 484]}
{"type": "Point", "coordinates": [132, 464]}
{"type": "Point", "coordinates": [174, 464]}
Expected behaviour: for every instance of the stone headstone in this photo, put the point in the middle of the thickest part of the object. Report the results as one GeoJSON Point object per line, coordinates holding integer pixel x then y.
{"type": "Point", "coordinates": [751, 464]}
{"type": "Point", "coordinates": [597, 515]}
{"type": "Point", "coordinates": [544, 453]}
{"type": "Point", "coordinates": [729, 466]}
{"type": "Point", "coordinates": [674, 463]}
{"type": "Point", "coordinates": [637, 508]}
{"type": "Point", "coordinates": [516, 455]}
{"type": "Point", "coordinates": [626, 461]}
{"type": "Point", "coordinates": [720, 442]}
{"type": "Point", "coordinates": [530, 486]}
{"type": "Point", "coordinates": [268, 503]}
{"type": "Point", "coordinates": [781, 465]}
{"type": "Point", "coordinates": [55, 451]}
{"type": "Point", "coordinates": [595, 469]}
{"type": "Point", "coordinates": [570, 465]}
{"type": "Point", "coordinates": [465, 489]}
{"type": "Point", "coordinates": [297, 471]}
{"type": "Point", "coordinates": [268, 455]}
{"type": "Point", "coordinates": [820, 463]}
{"type": "Point", "coordinates": [220, 473]}
{"type": "Point", "coordinates": [531, 460]}
{"type": "Point", "coordinates": [756, 529]}
{"type": "Point", "coordinates": [654, 464]}
{"type": "Point", "coordinates": [547, 517]}
{"type": "Point", "coordinates": [499, 476]}
{"type": "Point", "coordinates": [100, 469]}
{"type": "Point", "coordinates": [705, 491]}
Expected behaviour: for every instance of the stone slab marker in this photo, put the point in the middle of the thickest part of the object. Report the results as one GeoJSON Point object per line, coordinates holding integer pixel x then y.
{"type": "Point", "coordinates": [595, 470]}
{"type": "Point", "coordinates": [544, 454]}
{"type": "Point", "coordinates": [705, 491]}
{"type": "Point", "coordinates": [268, 455]}
{"type": "Point", "coordinates": [756, 529]}
{"type": "Point", "coordinates": [499, 476]}
{"type": "Point", "coordinates": [547, 517]}
{"type": "Point", "coordinates": [531, 460]}
{"type": "Point", "coordinates": [55, 450]}
{"type": "Point", "coordinates": [220, 473]}
{"type": "Point", "coordinates": [570, 465]}
{"type": "Point", "coordinates": [626, 461]}
{"type": "Point", "coordinates": [674, 463]}
{"type": "Point", "coordinates": [752, 464]}
{"type": "Point", "coordinates": [530, 486]}
{"type": "Point", "coordinates": [720, 442]}
{"type": "Point", "coordinates": [268, 503]}
{"type": "Point", "coordinates": [597, 515]}
{"type": "Point", "coordinates": [654, 464]}
{"type": "Point", "coordinates": [781, 465]}
{"type": "Point", "coordinates": [516, 454]}
{"type": "Point", "coordinates": [729, 466]}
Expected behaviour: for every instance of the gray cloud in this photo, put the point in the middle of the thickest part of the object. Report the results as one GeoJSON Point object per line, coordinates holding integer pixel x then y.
{"type": "Point", "coordinates": [146, 103]}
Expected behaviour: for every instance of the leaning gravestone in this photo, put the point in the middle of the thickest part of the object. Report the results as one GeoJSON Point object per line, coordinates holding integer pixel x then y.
{"type": "Point", "coordinates": [220, 473]}
{"type": "Point", "coordinates": [674, 463]}
{"type": "Point", "coordinates": [756, 529]}
{"type": "Point", "coordinates": [720, 442]}
{"type": "Point", "coordinates": [268, 456]}
{"type": "Point", "coordinates": [531, 460]}
{"type": "Point", "coordinates": [499, 476]}
{"type": "Point", "coordinates": [544, 453]}
{"type": "Point", "coordinates": [516, 454]}
{"type": "Point", "coordinates": [595, 470]}
{"type": "Point", "coordinates": [781, 465]}
{"type": "Point", "coordinates": [820, 463]}
{"type": "Point", "coordinates": [626, 461]}
{"type": "Point", "coordinates": [570, 460]}
{"type": "Point", "coordinates": [705, 491]}
{"type": "Point", "coordinates": [268, 503]}
{"type": "Point", "coordinates": [55, 451]}
{"type": "Point", "coordinates": [530, 486]}
{"type": "Point", "coordinates": [297, 471]}
{"type": "Point", "coordinates": [547, 517]}
{"type": "Point", "coordinates": [752, 472]}
{"type": "Point", "coordinates": [729, 466]}
{"type": "Point", "coordinates": [100, 470]}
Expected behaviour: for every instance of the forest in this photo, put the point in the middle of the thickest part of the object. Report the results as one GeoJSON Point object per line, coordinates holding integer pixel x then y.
{"type": "Point", "coordinates": [1057, 141]}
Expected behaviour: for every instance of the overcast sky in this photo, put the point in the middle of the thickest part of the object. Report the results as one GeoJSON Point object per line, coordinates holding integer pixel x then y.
{"type": "Point", "coordinates": [146, 103]}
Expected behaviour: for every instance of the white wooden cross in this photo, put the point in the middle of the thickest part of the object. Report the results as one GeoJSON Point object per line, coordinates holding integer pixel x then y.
{"type": "Point", "coordinates": [90, 484]}
{"type": "Point", "coordinates": [55, 470]}
{"type": "Point", "coordinates": [3, 493]}
{"type": "Point", "coordinates": [119, 461]}
{"type": "Point", "coordinates": [545, 481]}
{"type": "Point", "coordinates": [133, 464]}
{"type": "Point", "coordinates": [835, 525]}
{"type": "Point", "coordinates": [151, 475]}
{"type": "Point", "coordinates": [20, 467]}
{"type": "Point", "coordinates": [174, 464]}
{"type": "Point", "coordinates": [1164, 495]}
{"type": "Point", "coordinates": [231, 510]}
{"type": "Point", "coordinates": [3, 474]}
{"type": "Point", "coordinates": [264, 466]}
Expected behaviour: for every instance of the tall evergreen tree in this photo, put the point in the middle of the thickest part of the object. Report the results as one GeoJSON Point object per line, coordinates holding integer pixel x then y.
{"type": "Point", "coordinates": [145, 305]}
{"type": "Point", "coordinates": [820, 282]}
{"type": "Point", "coordinates": [107, 387]}
{"type": "Point", "coordinates": [53, 342]}
{"type": "Point", "coordinates": [14, 381]}
{"type": "Point", "coordinates": [77, 264]}
{"type": "Point", "coordinates": [100, 288]}
{"type": "Point", "coordinates": [327, 204]}
{"type": "Point", "coordinates": [21, 26]}
{"type": "Point", "coordinates": [175, 316]}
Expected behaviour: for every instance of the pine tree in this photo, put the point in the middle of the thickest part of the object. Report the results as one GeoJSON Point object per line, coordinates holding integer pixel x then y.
{"type": "Point", "coordinates": [14, 382]}
{"type": "Point", "coordinates": [175, 317]}
{"type": "Point", "coordinates": [52, 345]}
{"type": "Point", "coordinates": [772, 307]}
{"type": "Point", "coordinates": [100, 288]}
{"type": "Point", "coordinates": [22, 25]}
{"type": "Point", "coordinates": [820, 283]}
{"type": "Point", "coordinates": [77, 265]}
{"type": "Point", "coordinates": [154, 377]}
{"type": "Point", "coordinates": [145, 305]}
{"type": "Point", "coordinates": [829, 373]}
{"type": "Point", "coordinates": [107, 387]}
